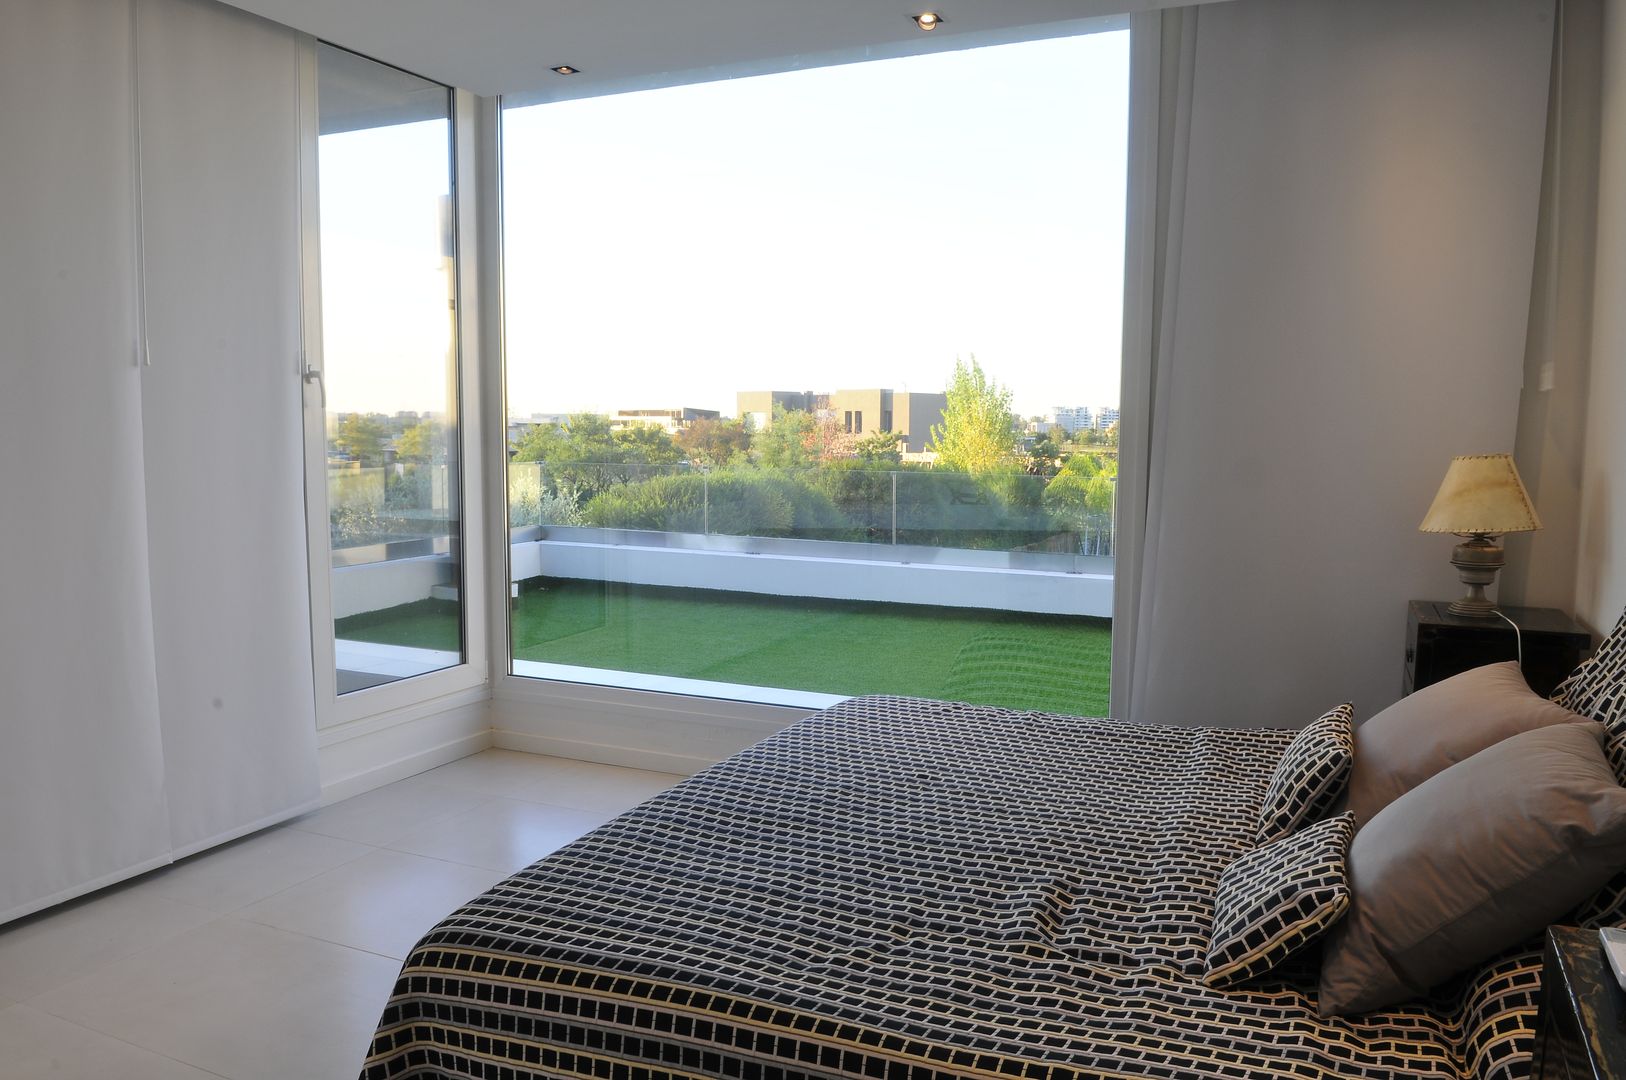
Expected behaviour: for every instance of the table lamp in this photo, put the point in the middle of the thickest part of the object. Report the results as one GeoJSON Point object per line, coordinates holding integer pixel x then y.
{"type": "Point", "coordinates": [1480, 499]}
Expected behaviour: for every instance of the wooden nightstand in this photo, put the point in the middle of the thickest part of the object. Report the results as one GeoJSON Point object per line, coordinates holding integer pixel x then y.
{"type": "Point", "coordinates": [1581, 1024]}
{"type": "Point", "coordinates": [1440, 644]}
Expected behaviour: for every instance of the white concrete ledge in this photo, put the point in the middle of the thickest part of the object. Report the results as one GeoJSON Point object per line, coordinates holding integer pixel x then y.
{"type": "Point", "coordinates": [777, 574]}
{"type": "Point", "coordinates": [375, 586]}
{"type": "Point", "coordinates": [672, 684]}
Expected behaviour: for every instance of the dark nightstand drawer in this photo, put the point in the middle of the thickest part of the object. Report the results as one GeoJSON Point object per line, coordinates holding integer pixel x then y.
{"type": "Point", "coordinates": [1440, 644]}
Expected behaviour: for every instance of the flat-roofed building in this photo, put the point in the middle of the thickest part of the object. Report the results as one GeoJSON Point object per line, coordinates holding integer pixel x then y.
{"type": "Point", "coordinates": [758, 405]}
{"type": "Point", "coordinates": [911, 415]}
{"type": "Point", "coordinates": [856, 412]}
{"type": "Point", "coordinates": [671, 421]}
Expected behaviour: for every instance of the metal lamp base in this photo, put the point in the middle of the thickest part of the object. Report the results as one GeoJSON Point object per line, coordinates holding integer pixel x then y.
{"type": "Point", "coordinates": [1477, 560]}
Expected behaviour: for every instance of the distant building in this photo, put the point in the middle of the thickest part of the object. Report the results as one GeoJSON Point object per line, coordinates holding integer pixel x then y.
{"type": "Point", "coordinates": [758, 405]}
{"type": "Point", "coordinates": [1070, 418]}
{"type": "Point", "coordinates": [856, 412]}
{"type": "Point", "coordinates": [1075, 418]}
{"type": "Point", "coordinates": [910, 415]}
{"type": "Point", "coordinates": [520, 426]}
{"type": "Point", "coordinates": [671, 421]}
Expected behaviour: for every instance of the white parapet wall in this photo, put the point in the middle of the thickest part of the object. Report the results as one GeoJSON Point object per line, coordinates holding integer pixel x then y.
{"type": "Point", "coordinates": [377, 585]}
{"type": "Point", "coordinates": [780, 574]}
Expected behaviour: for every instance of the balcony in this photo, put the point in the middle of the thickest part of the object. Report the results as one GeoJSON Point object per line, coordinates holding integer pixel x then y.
{"type": "Point", "coordinates": [797, 585]}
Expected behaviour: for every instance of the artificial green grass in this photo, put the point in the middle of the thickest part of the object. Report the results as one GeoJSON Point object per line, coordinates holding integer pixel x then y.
{"type": "Point", "coordinates": [1046, 662]}
{"type": "Point", "coordinates": [427, 624]}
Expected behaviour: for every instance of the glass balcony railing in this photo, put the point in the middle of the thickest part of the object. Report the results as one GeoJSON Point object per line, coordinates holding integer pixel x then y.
{"type": "Point", "coordinates": [1070, 514]}
{"type": "Point", "coordinates": [390, 511]}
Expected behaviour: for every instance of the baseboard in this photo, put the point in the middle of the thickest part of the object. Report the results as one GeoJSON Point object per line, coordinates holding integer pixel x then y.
{"type": "Point", "coordinates": [387, 754]}
{"type": "Point", "coordinates": [663, 732]}
{"type": "Point", "coordinates": [581, 750]}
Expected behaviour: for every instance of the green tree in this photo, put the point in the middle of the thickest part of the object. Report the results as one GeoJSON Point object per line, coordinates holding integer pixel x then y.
{"type": "Point", "coordinates": [361, 437]}
{"type": "Point", "coordinates": [583, 457]}
{"type": "Point", "coordinates": [783, 444]}
{"type": "Point", "coordinates": [423, 442]}
{"type": "Point", "coordinates": [644, 444]}
{"type": "Point", "coordinates": [978, 432]}
{"type": "Point", "coordinates": [879, 447]}
{"type": "Point", "coordinates": [1081, 493]}
{"type": "Point", "coordinates": [714, 442]}
{"type": "Point", "coordinates": [1044, 457]}
{"type": "Point", "coordinates": [583, 437]}
{"type": "Point", "coordinates": [586, 438]}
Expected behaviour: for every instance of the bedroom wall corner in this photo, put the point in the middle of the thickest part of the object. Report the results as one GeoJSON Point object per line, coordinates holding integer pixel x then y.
{"type": "Point", "coordinates": [638, 729]}
{"type": "Point", "coordinates": [1600, 580]}
{"type": "Point", "coordinates": [364, 754]}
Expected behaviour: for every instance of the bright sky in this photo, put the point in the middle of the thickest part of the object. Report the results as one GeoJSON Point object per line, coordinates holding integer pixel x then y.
{"type": "Point", "coordinates": [846, 227]}
{"type": "Point", "coordinates": [386, 326]}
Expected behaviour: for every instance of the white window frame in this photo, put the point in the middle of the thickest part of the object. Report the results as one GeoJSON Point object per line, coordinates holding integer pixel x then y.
{"type": "Point", "coordinates": [676, 731]}
{"type": "Point", "coordinates": [362, 711]}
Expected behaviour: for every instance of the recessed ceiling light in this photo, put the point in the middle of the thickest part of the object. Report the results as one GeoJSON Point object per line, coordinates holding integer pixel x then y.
{"type": "Point", "coordinates": [928, 20]}
{"type": "Point", "coordinates": [566, 69]}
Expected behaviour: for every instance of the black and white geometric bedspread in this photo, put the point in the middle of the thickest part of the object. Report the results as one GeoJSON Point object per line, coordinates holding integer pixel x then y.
{"type": "Point", "coordinates": [910, 889]}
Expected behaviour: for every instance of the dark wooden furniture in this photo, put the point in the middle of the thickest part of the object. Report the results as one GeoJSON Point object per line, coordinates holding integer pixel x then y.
{"type": "Point", "coordinates": [1440, 644]}
{"type": "Point", "coordinates": [1581, 1024]}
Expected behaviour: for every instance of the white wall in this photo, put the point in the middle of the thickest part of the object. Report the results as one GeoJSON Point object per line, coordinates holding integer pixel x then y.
{"type": "Point", "coordinates": [1600, 586]}
{"type": "Point", "coordinates": [1350, 310]}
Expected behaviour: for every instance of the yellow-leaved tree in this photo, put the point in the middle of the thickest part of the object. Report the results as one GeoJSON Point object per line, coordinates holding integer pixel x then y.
{"type": "Point", "coordinates": [978, 432]}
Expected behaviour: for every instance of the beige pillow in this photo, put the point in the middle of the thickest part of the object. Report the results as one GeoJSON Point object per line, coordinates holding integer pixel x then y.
{"type": "Point", "coordinates": [1440, 725]}
{"type": "Point", "coordinates": [1474, 861]}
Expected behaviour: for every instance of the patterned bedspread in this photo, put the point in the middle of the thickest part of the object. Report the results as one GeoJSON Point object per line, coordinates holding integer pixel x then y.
{"type": "Point", "coordinates": [911, 889]}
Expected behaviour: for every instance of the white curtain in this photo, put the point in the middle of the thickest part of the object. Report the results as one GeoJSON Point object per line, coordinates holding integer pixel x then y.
{"type": "Point", "coordinates": [219, 96]}
{"type": "Point", "coordinates": [155, 667]}
{"type": "Point", "coordinates": [81, 760]}
{"type": "Point", "coordinates": [1551, 445]}
{"type": "Point", "coordinates": [1162, 70]}
{"type": "Point", "coordinates": [1343, 275]}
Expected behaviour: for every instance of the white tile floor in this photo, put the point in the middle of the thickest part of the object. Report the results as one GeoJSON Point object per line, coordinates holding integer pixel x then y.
{"type": "Point", "coordinates": [272, 956]}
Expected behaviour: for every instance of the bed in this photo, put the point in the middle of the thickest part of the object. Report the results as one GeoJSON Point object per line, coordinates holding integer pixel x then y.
{"type": "Point", "coordinates": [909, 889]}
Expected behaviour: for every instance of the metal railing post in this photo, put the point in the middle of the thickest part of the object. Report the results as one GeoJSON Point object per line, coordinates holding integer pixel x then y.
{"type": "Point", "coordinates": [705, 504]}
{"type": "Point", "coordinates": [1112, 539]}
{"type": "Point", "coordinates": [894, 509]}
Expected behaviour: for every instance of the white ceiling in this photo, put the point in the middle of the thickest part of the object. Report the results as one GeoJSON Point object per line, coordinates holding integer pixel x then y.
{"type": "Point", "coordinates": [507, 46]}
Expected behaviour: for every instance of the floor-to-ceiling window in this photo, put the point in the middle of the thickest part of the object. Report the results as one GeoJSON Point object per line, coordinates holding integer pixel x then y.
{"type": "Point", "coordinates": [390, 488]}
{"type": "Point", "coordinates": [812, 379]}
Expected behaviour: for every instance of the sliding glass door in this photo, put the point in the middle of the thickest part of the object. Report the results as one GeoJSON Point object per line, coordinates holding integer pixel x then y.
{"type": "Point", "coordinates": [812, 379]}
{"type": "Point", "coordinates": [390, 479]}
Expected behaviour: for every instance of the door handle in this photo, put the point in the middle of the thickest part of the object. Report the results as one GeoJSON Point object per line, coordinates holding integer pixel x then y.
{"type": "Point", "coordinates": [314, 375]}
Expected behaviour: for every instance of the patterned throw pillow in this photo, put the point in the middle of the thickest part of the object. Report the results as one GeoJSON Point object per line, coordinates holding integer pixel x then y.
{"type": "Point", "coordinates": [1277, 898]}
{"type": "Point", "coordinates": [1311, 775]}
{"type": "Point", "coordinates": [1597, 690]}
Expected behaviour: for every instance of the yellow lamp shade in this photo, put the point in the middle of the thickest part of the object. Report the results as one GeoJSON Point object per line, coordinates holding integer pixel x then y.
{"type": "Point", "coordinates": [1481, 493]}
